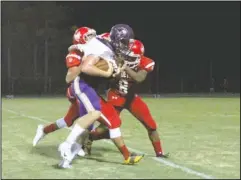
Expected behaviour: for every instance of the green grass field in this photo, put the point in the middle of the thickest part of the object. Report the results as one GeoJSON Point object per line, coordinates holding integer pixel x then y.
{"type": "Point", "coordinates": [201, 134]}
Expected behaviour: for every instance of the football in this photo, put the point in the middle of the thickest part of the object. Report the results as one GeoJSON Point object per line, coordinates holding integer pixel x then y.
{"type": "Point", "coordinates": [102, 64]}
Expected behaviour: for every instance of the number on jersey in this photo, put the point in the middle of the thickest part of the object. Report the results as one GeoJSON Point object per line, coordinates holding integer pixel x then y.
{"type": "Point", "coordinates": [123, 86]}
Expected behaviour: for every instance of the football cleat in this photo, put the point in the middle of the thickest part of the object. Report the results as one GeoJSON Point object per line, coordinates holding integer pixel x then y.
{"type": "Point", "coordinates": [87, 146]}
{"type": "Point", "coordinates": [39, 135]}
{"type": "Point", "coordinates": [68, 152]}
{"type": "Point", "coordinates": [64, 164]}
{"type": "Point", "coordinates": [163, 155]}
{"type": "Point", "coordinates": [81, 153]}
{"type": "Point", "coordinates": [133, 159]}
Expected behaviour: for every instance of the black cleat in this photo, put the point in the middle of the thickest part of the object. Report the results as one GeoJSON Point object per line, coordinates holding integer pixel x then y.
{"type": "Point", "coordinates": [163, 155]}
{"type": "Point", "coordinates": [87, 145]}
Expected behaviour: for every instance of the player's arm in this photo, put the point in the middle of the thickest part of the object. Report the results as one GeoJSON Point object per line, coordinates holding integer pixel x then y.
{"type": "Point", "coordinates": [73, 63]}
{"type": "Point", "coordinates": [72, 73]}
{"type": "Point", "coordinates": [146, 65]}
{"type": "Point", "coordinates": [88, 67]}
{"type": "Point", "coordinates": [138, 76]}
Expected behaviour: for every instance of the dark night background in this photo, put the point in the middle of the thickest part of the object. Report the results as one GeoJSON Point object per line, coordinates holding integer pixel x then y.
{"type": "Point", "coordinates": [186, 40]}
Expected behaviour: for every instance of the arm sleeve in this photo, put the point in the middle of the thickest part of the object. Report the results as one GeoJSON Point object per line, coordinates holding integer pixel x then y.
{"type": "Point", "coordinates": [147, 64]}
{"type": "Point", "coordinates": [72, 59]}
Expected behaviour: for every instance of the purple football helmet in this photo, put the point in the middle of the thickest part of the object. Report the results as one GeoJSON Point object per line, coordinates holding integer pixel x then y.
{"type": "Point", "coordinates": [120, 36]}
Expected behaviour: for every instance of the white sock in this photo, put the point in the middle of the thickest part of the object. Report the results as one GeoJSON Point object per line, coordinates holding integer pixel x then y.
{"type": "Point", "coordinates": [74, 134]}
{"type": "Point", "coordinates": [61, 123]}
{"type": "Point", "coordinates": [114, 133]}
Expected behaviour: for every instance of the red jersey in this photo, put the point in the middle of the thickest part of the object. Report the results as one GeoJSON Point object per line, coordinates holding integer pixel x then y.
{"type": "Point", "coordinates": [125, 82]}
{"type": "Point", "coordinates": [146, 64]}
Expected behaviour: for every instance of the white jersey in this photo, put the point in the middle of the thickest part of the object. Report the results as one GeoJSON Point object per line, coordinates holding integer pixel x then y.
{"type": "Point", "coordinates": [97, 48]}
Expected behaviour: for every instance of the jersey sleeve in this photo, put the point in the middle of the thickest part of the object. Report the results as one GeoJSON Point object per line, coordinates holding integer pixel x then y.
{"type": "Point", "coordinates": [72, 59]}
{"type": "Point", "coordinates": [146, 64]}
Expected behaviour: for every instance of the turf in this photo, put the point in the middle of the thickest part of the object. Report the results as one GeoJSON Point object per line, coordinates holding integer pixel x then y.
{"type": "Point", "coordinates": [202, 134]}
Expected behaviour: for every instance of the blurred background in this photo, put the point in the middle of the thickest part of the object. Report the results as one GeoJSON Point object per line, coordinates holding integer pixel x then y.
{"type": "Point", "coordinates": [196, 45]}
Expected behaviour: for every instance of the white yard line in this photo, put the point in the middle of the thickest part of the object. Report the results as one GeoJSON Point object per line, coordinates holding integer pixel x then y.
{"type": "Point", "coordinates": [163, 161]}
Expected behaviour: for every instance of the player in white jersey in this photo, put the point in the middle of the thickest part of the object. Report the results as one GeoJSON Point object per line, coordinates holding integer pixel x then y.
{"type": "Point", "coordinates": [93, 51]}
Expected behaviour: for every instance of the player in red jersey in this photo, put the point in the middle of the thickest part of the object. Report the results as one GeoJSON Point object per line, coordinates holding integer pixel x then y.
{"type": "Point", "coordinates": [122, 95]}
{"type": "Point", "coordinates": [82, 35]}
{"type": "Point", "coordinates": [109, 117]}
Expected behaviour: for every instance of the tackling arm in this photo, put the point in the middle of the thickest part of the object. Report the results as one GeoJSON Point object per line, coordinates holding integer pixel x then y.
{"type": "Point", "coordinates": [72, 73]}
{"type": "Point", "coordinates": [138, 76]}
{"type": "Point", "coordinates": [146, 65]}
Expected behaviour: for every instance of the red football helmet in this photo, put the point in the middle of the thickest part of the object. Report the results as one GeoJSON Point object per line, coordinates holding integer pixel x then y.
{"type": "Point", "coordinates": [83, 35]}
{"type": "Point", "coordinates": [136, 51]}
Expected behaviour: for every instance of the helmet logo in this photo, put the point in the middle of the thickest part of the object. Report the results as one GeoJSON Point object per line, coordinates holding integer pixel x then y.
{"type": "Point", "coordinates": [77, 36]}
{"type": "Point", "coordinates": [121, 31]}
{"type": "Point", "coordinates": [142, 50]}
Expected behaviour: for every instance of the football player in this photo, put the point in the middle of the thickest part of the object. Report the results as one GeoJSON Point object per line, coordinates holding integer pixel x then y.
{"type": "Point", "coordinates": [81, 36]}
{"type": "Point", "coordinates": [122, 94]}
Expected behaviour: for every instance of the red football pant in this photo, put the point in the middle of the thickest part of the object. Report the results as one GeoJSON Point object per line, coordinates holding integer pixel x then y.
{"type": "Point", "coordinates": [72, 114]}
{"type": "Point", "coordinates": [137, 107]}
{"type": "Point", "coordinates": [110, 117]}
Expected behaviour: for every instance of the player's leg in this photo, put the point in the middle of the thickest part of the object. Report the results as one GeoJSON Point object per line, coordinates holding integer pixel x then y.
{"type": "Point", "coordinates": [81, 124]}
{"type": "Point", "coordinates": [101, 132]}
{"type": "Point", "coordinates": [111, 119]}
{"type": "Point", "coordinates": [89, 107]}
{"type": "Point", "coordinates": [89, 104]}
{"type": "Point", "coordinates": [72, 114]}
{"type": "Point", "coordinates": [70, 147]}
{"type": "Point", "coordinates": [140, 110]}
{"type": "Point", "coordinates": [67, 121]}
